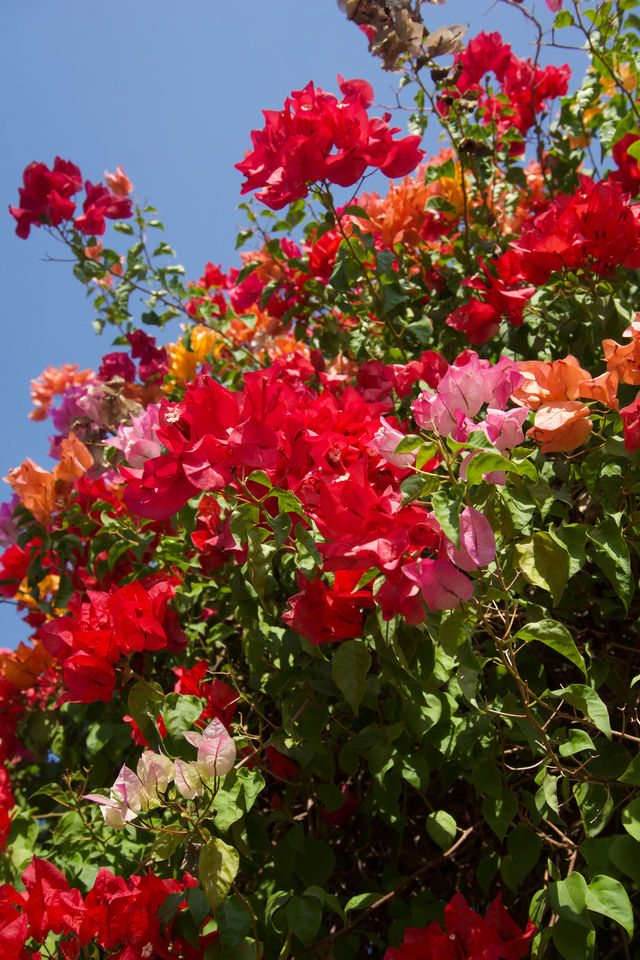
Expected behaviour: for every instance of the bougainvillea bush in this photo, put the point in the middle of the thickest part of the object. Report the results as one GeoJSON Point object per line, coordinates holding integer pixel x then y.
{"type": "Point", "coordinates": [333, 597]}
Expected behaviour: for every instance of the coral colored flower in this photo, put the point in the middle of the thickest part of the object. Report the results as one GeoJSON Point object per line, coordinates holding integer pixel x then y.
{"type": "Point", "coordinates": [624, 360]}
{"type": "Point", "coordinates": [542, 382]}
{"type": "Point", "coordinates": [22, 667]}
{"type": "Point", "coordinates": [36, 489]}
{"type": "Point", "coordinates": [561, 425]}
{"type": "Point", "coordinates": [604, 389]}
{"type": "Point", "coordinates": [118, 182]}
{"type": "Point", "coordinates": [52, 381]}
{"type": "Point", "coordinates": [75, 460]}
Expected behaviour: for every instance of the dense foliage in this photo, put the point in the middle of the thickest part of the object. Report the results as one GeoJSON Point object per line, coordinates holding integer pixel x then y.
{"type": "Point", "coordinates": [333, 599]}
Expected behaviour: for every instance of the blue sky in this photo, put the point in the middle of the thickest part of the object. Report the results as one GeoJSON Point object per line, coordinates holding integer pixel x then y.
{"type": "Point", "coordinates": [171, 92]}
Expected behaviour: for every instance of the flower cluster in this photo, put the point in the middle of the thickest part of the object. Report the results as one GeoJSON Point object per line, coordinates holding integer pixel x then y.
{"type": "Point", "coordinates": [105, 627]}
{"type": "Point", "coordinates": [118, 916]}
{"type": "Point", "coordinates": [316, 138]}
{"type": "Point", "coordinates": [467, 936]}
{"type": "Point", "coordinates": [45, 199]}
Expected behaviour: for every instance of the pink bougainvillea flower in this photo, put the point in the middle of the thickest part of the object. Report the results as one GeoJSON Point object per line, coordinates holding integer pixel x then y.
{"type": "Point", "coordinates": [477, 541]}
{"type": "Point", "coordinates": [385, 442]}
{"type": "Point", "coordinates": [442, 585]}
{"type": "Point", "coordinates": [554, 5]}
{"type": "Point", "coordinates": [138, 441]}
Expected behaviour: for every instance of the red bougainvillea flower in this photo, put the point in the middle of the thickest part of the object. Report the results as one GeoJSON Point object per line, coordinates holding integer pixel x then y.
{"type": "Point", "coordinates": [631, 424]}
{"type": "Point", "coordinates": [526, 88]}
{"type": "Point", "coordinates": [628, 173]}
{"type": "Point", "coordinates": [468, 936]}
{"type": "Point", "coordinates": [325, 614]}
{"type": "Point", "coordinates": [44, 198]}
{"type": "Point", "coordinates": [99, 203]}
{"type": "Point", "coordinates": [315, 137]}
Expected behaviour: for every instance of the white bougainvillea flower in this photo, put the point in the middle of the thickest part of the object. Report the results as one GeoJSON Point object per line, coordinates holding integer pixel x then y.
{"type": "Point", "coordinates": [188, 779]}
{"type": "Point", "coordinates": [216, 749]}
{"type": "Point", "coordinates": [128, 797]}
{"type": "Point", "coordinates": [155, 772]}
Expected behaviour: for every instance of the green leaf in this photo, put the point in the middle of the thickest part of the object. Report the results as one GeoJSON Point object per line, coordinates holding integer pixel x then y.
{"type": "Point", "coordinates": [179, 712]}
{"type": "Point", "coordinates": [362, 901]}
{"type": "Point", "coordinates": [587, 702]}
{"type": "Point", "coordinates": [544, 563]}
{"type": "Point", "coordinates": [442, 829]}
{"type": "Point", "coordinates": [563, 19]}
{"type": "Point", "coordinates": [631, 818]}
{"type": "Point", "coordinates": [354, 210]}
{"type": "Point", "coordinates": [608, 897]}
{"type": "Point", "coordinates": [632, 772]}
{"type": "Point", "coordinates": [487, 462]}
{"type": "Point", "coordinates": [217, 869]}
{"type": "Point", "coordinates": [349, 668]}
{"type": "Point", "coordinates": [556, 636]}
{"type": "Point", "coordinates": [568, 898]}
{"type": "Point", "coordinates": [524, 849]}
{"type": "Point", "coordinates": [499, 812]}
{"type": "Point", "coordinates": [164, 845]}
{"type": "Point", "coordinates": [447, 513]}
{"type": "Point", "coordinates": [234, 921]}
{"type": "Point", "coordinates": [281, 526]}
{"type": "Point", "coordinates": [304, 916]}
{"type": "Point", "coordinates": [595, 804]}
{"type": "Point", "coordinates": [576, 741]}
{"type": "Point", "coordinates": [610, 551]}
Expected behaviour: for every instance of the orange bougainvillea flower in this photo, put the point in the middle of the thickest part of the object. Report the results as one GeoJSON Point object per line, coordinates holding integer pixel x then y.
{"type": "Point", "coordinates": [52, 381]}
{"type": "Point", "coordinates": [22, 667]}
{"type": "Point", "coordinates": [604, 389]}
{"type": "Point", "coordinates": [39, 490]}
{"type": "Point", "coordinates": [624, 359]}
{"type": "Point", "coordinates": [543, 382]}
{"type": "Point", "coordinates": [35, 488]}
{"type": "Point", "coordinates": [118, 182]}
{"type": "Point", "coordinates": [561, 425]}
{"type": "Point", "coordinates": [75, 460]}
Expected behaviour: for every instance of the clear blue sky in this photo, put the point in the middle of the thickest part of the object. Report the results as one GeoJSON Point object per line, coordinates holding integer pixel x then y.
{"type": "Point", "coordinates": [171, 92]}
